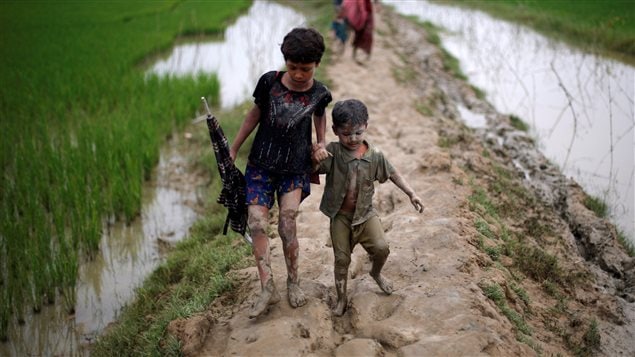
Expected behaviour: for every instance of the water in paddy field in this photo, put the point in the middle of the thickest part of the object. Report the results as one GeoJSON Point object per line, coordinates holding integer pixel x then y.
{"type": "Point", "coordinates": [580, 106]}
{"type": "Point", "coordinates": [127, 254]}
{"type": "Point", "coordinates": [250, 48]}
{"type": "Point", "coordinates": [130, 252]}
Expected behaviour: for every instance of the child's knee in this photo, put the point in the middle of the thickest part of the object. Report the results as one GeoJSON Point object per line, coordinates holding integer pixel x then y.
{"type": "Point", "coordinates": [380, 250]}
{"type": "Point", "coordinates": [286, 224]}
{"type": "Point", "coordinates": [342, 262]}
{"type": "Point", "coordinates": [257, 224]}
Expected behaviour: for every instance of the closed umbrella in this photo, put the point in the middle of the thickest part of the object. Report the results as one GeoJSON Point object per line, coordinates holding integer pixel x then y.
{"type": "Point", "coordinates": [233, 193]}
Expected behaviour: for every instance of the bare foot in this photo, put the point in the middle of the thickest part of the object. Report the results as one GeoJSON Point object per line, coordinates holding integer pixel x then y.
{"type": "Point", "coordinates": [340, 307]}
{"type": "Point", "coordinates": [296, 296]}
{"type": "Point", "coordinates": [384, 284]}
{"type": "Point", "coordinates": [268, 296]}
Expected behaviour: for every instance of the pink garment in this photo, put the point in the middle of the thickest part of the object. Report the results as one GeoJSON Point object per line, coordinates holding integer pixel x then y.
{"type": "Point", "coordinates": [355, 12]}
{"type": "Point", "coordinates": [359, 15]}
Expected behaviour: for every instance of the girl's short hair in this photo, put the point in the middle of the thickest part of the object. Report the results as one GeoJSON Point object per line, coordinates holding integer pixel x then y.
{"type": "Point", "coordinates": [303, 45]}
{"type": "Point", "coordinates": [349, 112]}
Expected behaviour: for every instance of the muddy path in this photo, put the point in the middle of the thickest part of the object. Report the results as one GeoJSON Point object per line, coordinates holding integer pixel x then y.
{"type": "Point", "coordinates": [436, 265]}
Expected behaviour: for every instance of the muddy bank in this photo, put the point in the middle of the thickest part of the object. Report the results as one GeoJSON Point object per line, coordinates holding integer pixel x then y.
{"type": "Point", "coordinates": [505, 260]}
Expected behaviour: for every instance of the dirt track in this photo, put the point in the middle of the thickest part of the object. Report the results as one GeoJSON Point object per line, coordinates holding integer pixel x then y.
{"type": "Point", "coordinates": [435, 263]}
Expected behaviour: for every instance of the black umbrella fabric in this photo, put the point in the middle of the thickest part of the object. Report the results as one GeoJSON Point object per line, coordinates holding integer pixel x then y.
{"type": "Point", "coordinates": [233, 193]}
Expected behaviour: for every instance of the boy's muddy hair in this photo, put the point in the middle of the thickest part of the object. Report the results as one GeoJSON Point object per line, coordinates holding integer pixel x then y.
{"type": "Point", "coordinates": [303, 45]}
{"type": "Point", "coordinates": [351, 112]}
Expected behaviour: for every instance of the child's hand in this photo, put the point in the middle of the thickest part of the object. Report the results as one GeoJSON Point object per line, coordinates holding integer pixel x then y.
{"type": "Point", "coordinates": [319, 152]}
{"type": "Point", "coordinates": [416, 201]}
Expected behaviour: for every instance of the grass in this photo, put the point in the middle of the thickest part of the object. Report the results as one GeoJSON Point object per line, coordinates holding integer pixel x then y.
{"type": "Point", "coordinates": [599, 26]}
{"type": "Point", "coordinates": [601, 209]}
{"type": "Point", "coordinates": [518, 123]}
{"type": "Point", "coordinates": [495, 293]}
{"type": "Point", "coordinates": [626, 243]}
{"type": "Point", "coordinates": [80, 128]}
{"type": "Point", "coordinates": [450, 63]}
{"type": "Point", "coordinates": [502, 200]}
{"type": "Point", "coordinates": [498, 200]}
{"type": "Point", "coordinates": [591, 340]}
{"type": "Point", "coordinates": [597, 205]}
{"type": "Point", "coordinates": [194, 274]}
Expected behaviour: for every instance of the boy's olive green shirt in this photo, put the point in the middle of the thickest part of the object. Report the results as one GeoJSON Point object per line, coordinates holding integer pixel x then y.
{"type": "Point", "coordinates": [373, 166]}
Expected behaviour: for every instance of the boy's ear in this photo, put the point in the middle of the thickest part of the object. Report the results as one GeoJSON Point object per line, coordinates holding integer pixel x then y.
{"type": "Point", "coordinates": [334, 129]}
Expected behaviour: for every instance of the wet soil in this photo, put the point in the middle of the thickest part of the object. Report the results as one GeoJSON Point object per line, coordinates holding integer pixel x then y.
{"type": "Point", "coordinates": [437, 264]}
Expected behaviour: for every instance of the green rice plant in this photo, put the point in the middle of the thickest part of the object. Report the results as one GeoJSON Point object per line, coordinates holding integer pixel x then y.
{"type": "Point", "coordinates": [67, 266]}
{"type": "Point", "coordinates": [605, 26]}
{"type": "Point", "coordinates": [194, 274]}
{"type": "Point", "coordinates": [81, 125]}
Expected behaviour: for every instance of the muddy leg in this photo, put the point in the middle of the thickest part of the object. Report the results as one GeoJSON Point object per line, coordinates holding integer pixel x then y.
{"type": "Point", "coordinates": [341, 238]}
{"type": "Point", "coordinates": [340, 288]}
{"type": "Point", "coordinates": [372, 239]}
{"type": "Point", "coordinates": [268, 295]}
{"type": "Point", "coordinates": [375, 272]}
{"type": "Point", "coordinates": [289, 203]}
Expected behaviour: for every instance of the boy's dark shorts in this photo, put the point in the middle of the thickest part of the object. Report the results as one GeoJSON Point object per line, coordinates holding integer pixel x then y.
{"type": "Point", "coordinates": [262, 184]}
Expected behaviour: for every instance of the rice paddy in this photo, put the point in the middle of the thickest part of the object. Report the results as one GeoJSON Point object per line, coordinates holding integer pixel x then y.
{"type": "Point", "coordinates": [80, 129]}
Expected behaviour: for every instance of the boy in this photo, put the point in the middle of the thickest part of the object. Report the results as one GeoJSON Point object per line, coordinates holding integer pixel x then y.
{"type": "Point", "coordinates": [280, 158]}
{"type": "Point", "coordinates": [351, 170]}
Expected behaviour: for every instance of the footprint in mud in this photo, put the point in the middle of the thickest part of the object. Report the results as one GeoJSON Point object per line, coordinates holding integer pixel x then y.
{"type": "Point", "coordinates": [373, 306]}
{"type": "Point", "coordinates": [387, 307]}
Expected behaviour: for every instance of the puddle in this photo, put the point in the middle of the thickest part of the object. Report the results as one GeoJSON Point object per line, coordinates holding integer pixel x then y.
{"type": "Point", "coordinates": [251, 47]}
{"type": "Point", "coordinates": [128, 253]}
{"type": "Point", "coordinates": [580, 106]}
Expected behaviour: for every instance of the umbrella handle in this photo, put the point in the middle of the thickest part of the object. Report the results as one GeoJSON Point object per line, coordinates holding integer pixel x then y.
{"type": "Point", "coordinates": [209, 112]}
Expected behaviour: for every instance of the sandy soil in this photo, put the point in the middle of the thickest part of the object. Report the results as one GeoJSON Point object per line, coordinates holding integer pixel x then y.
{"type": "Point", "coordinates": [435, 265]}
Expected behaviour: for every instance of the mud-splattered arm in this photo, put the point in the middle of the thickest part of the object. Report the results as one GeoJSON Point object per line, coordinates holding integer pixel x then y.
{"type": "Point", "coordinates": [319, 149]}
{"type": "Point", "coordinates": [251, 120]}
{"type": "Point", "coordinates": [398, 180]}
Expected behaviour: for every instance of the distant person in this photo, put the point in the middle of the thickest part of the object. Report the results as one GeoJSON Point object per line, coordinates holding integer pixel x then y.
{"type": "Point", "coordinates": [351, 169]}
{"type": "Point", "coordinates": [339, 29]}
{"type": "Point", "coordinates": [279, 163]}
{"type": "Point", "coordinates": [359, 16]}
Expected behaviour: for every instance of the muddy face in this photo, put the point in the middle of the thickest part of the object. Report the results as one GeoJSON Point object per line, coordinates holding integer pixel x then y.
{"type": "Point", "coordinates": [351, 136]}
